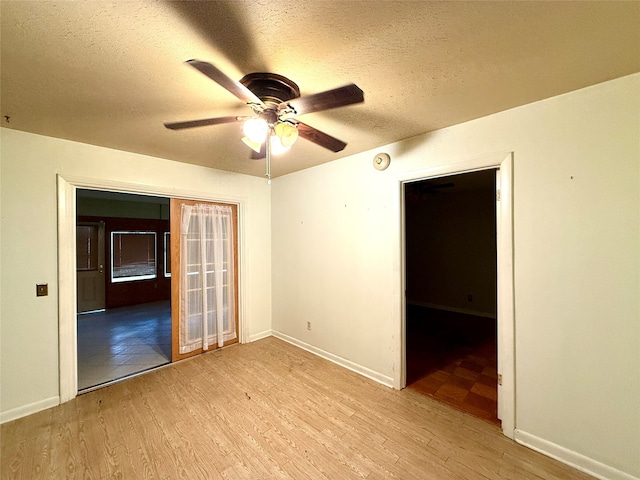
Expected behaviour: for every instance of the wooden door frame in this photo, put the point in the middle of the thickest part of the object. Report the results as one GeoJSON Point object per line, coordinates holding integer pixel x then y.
{"type": "Point", "coordinates": [175, 222]}
{"type": "Point", "coordinates": [503, 162]}
{"type": "Point", "coordinates": [67, 303]}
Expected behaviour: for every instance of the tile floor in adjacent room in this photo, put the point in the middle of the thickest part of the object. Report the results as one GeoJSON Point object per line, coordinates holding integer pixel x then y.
{"type": "Point", "coordinates": [452, 357]}
{"type": "Point", "coordinates": [122, 341]}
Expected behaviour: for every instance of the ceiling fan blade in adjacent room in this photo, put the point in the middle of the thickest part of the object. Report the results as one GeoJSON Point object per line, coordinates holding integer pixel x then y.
{"type": "Point", "coordinates": [338, 97]}
{"type": "Point", "coordinates": [204, 122]}
{"type": "Point", "coordinates": [320, 138]}
{"type": "Point", "coordinates": [239, 90]}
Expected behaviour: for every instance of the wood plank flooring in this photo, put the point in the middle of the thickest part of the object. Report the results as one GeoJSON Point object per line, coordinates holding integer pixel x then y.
{"type": "Point", "coordinates": [260, 411]}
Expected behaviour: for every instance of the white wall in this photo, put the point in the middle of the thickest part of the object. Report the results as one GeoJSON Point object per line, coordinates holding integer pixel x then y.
{"type": "Point", "coordinates": [577, 264]}
{"type": "Point", "coordinates": [29, 330]}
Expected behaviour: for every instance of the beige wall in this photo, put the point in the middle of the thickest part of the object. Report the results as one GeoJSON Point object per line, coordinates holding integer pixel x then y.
{"type": "Point", "coordinates": [29, 249]}
{"type": "Point", "coordinates": [577, 263]}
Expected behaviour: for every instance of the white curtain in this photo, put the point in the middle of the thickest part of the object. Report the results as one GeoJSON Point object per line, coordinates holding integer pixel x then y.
{"type": "Point", "coordinates": [207, 277]}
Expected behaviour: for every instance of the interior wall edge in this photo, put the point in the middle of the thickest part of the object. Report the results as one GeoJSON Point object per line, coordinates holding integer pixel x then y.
{"type": "Point", "coordinates": [571, 458]}
{"type": "Point", "coordinates": [25, 410]}
{"type": "Point", "coordinates": [343, 362]}
{"type": "Point", "coordinates": [260, 335]}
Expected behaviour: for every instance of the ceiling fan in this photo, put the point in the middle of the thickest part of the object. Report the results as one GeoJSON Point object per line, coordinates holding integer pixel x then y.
{"type": "Point", "coordinates": [275, 101]}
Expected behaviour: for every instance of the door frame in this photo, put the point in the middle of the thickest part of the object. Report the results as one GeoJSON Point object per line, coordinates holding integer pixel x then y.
{"type": "Point", "coordinates": [67, 302]}
{"type": "Point", "coordinates": [503, 162]}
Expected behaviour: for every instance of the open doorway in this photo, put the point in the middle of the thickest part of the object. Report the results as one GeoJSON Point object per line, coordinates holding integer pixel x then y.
{"type": "Point", "coordinates": [451, 290]}
{"type": "Point", "coordinates": [67, 272]}
{"type": "Point", "coordinates": [123, 286]}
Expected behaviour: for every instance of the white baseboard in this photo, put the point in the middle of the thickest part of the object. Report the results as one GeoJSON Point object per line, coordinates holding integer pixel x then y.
{"type": "Point", "coordinates": [259, 336]}
{"type": "Point", "coordinates": [569, 457]}
{"type": "Point", "coordinates": [25, 410]}
{"type": "Point", "coordinates": [343, 362]}
{"type": "Point", "coordinates": [466, 311]}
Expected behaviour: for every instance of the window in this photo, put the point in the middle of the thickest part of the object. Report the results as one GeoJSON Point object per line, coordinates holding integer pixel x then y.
{"type": "Point", "coordinates": [167, 254]}
{"type": "Point", "coordinates": [133, 256]}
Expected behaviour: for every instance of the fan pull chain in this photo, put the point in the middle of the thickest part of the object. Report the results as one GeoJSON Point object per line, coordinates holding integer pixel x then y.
{"type": "Point", "coordinates": [268, 155]}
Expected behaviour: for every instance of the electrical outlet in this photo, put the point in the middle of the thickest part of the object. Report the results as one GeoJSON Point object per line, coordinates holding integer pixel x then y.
{"type": "Point", "coordinates": [308, 325]}
{"type": "Point", "coordinates": [470, 298]}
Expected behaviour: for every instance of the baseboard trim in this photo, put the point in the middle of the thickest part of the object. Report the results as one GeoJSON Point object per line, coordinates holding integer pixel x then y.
{"type": "Point", "coordinates": [466, 311]}
{"type": "Point", "coordinates": [571, 458]}
{"type": "Point", "coordinates": [343, 362]}
{"type": "Point", "coordinates": [259, 336]}
{"type": "Point", "coordinates": [25, 410]}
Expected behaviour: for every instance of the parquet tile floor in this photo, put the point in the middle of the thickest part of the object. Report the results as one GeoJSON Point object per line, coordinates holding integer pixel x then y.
{"type": "Point", "coordinates": [452, 357]}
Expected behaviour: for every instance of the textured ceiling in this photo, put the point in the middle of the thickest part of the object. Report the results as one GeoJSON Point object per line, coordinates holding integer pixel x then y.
{"type": "Point", "coordinates": [110, 73]}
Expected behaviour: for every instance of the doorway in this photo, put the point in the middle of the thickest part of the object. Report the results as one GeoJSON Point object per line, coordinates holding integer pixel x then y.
{"type": "Point", "coordinates": [503, 162]}
{"type": "Point", "coordinates": [67, 285]}
{"type": "Point", "coordinates": [123, 286]}
{"type": "Point", "coordinates": [451, 285]}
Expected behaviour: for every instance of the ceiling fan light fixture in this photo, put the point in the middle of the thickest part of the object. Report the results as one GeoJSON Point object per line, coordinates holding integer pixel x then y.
{"type": "Point", "coordinates": [255, 129]}
{"type": "Point", "coordinates": [277, 147]}
{"type": "Point", "coordinates": [275, 101]}
{"type": "Point", "coordinates": [255, 146]}
{"type": "Point", "coordinates": [287, 132]}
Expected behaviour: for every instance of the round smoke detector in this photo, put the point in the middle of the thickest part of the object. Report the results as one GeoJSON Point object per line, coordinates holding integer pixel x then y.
{"type": "Point", "coordinates": [381, 161]}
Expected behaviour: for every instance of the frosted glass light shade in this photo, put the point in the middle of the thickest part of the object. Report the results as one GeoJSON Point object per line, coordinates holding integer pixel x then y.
{"type": "Point", "coordinates": [277, 147]}
{"type": "Point", "coordinates": [255, 146]}
{"type": "Point", "coordinates": [255, 129]}
{"type": "Point", "coordinates": [287, 133]}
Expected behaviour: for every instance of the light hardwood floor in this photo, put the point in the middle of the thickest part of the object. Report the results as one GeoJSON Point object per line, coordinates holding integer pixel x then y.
{"type": "Point", "coordinates": [262, 410]}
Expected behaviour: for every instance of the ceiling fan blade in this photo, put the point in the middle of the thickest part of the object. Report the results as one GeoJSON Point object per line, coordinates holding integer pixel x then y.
{"type": "Point", "coordinates": [320, 138]}
{"type": "Point", "coordinates": [239, 90]}
{"type": "Point", "coordinates": [338, 97]}
{"type": "Point", "coordinates": [203, 123]}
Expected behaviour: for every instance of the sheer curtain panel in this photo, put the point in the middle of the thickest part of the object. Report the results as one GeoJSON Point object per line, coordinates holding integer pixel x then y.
{"type": "Point", "coordinates": [207, 293]}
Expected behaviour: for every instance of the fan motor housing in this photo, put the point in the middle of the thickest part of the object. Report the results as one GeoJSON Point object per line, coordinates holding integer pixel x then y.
{"type": "Point", "coordinates": [271, 88]}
